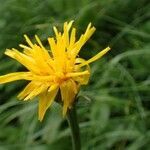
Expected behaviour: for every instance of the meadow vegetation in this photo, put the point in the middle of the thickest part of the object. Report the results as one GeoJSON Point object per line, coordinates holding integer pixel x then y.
{"type": "Point", "coordinates": [113, 110]}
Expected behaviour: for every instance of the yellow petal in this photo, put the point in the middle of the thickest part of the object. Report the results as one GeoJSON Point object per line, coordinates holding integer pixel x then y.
{"type": "Point", "coordinates": [56, 32]}
{"type": "Point", "coordinates": [70, 24]}
{"type": "Point", "coordinates": [28, 41]}
{"type": "Point", "coordinates": [82, 80]}
{"type": "Point", "coordinates": [99, 55]}
{"type": "Point", "coordinates": [75, 74]}
{"type": "Point", "coordinates": [80, 76]}
{"type": "Point", "coordinates": [53, 46]}
{"type": "Point", "coordinates": [39, 89]}
{"type": "Point", "coordinates": [83, 39]}
{"type": "Point", "coordinates": [80, 61]}
{"type": "Point", "coordinates": [28, 89]}
{"type": "Point", "coordinates": [39, 41]}
{"type": "Point", "coordinates": [68, 93]}
{"type": "Point", "coordinates": [27, 50]}
{"type": "Point", "coordinates": [53, 87]}
{"type": "Point", "coordinates": [72, 38]}
{"type": "Point", "coordinates": [65, 36]}
{"type": "Point", "coordinates": [46, 99]}
{"type": "Point", "coordinates": [15, 76]}
{"type": "Point", "coordinates": [40, 56]}
{"type": "Point", "coordinates": [25, 60]}
{"type": "Point", "coordinates": [88, 33]}
{"type": "Point", "coordinates": [25, 47]}
{"type": "Point", "coordinates": [44, 78]}
{"type": "Point", "coordinates": [43, 51]}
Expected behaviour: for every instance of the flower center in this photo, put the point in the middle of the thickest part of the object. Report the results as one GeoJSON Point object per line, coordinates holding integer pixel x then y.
{"type": "Point", "coordinates": [60, 77]}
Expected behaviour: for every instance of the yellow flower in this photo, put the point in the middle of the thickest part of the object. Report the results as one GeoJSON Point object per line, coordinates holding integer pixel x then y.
{"type": "Point", "coordinates": [52, 70]}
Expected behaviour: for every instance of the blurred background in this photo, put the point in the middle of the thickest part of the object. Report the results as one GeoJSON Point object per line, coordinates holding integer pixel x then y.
{"type": "Point", "coordinates": [113, 110]}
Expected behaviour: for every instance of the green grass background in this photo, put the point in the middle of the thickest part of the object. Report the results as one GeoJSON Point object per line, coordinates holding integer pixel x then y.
{"type": "Point", "coordinates": [113, 110]}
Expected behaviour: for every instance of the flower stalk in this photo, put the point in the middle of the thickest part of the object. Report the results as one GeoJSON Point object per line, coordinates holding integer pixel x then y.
{"type": "Point", "coordinates": [75, 132]}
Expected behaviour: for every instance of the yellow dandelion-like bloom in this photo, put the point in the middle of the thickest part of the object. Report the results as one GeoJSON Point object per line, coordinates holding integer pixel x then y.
{"type": "Point", "coordinates": [52, 70]}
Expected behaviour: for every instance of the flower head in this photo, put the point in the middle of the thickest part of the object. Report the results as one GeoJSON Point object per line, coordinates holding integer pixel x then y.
{"type": "Point", "coordinates": [49, 71]}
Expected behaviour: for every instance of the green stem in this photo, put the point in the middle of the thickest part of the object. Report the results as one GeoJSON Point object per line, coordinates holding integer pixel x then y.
{"type": "Point", "coordinates": [75, 133]}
